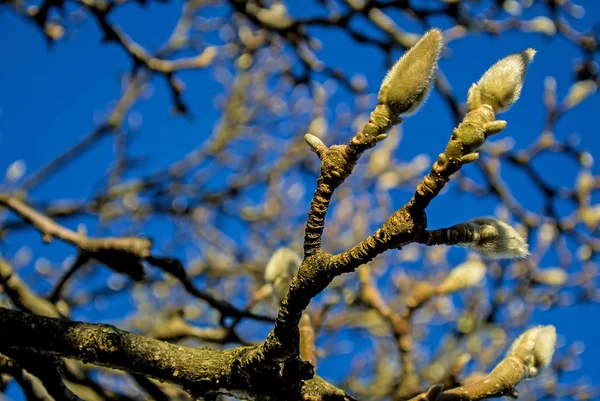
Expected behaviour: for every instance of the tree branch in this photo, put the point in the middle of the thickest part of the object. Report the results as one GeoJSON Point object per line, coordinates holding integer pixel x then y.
{"type": "Point", "coordinates": [200, 371]}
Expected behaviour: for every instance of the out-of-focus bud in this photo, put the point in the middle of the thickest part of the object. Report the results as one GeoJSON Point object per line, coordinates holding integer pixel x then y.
{"type": "Point", "coordinates": [590, 216]}
{"type": "Point", "coordinates": [575, 10]}
{"type": "Point", "coordinates": [407, 84]}
{"type": "Point", "coordinates": [543, 25]}
{"type": "Point", "coordinates": [513, 7]}
{"type": "Point", "coordinates": [281, 269]}
{"type": "Point", "coordinates": [275, 16]}
{"type": "Point", "coordinates": [553, 276]}
{"type": "Point", "coordinates": [497, 240]}
{"type": "Point", "coordinates": [463, 276]}
{"type": "Point", "coordinates": [535, 348]}
{"type": "Point", "coordinates": [54, 31]}
{"type": "Point", "coordinates": [585, 183]}
{"type": "Point", "coordinates": [501, 85]}
{"type": "Point", "coordinates": [578, 92]}
{"type": "Point", "coordinates": [546, 234]}
{"type": "Point", "coordinates": [314, 143]}
{"type": "Point", "coordinates": [16, 170]}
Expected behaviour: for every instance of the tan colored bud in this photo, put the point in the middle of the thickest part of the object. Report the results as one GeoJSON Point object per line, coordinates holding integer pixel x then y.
{"type": "Point", "coordinates": [497, 240]}
{"type": "Point", "coordinates": [546, 234]}
{"type": "Point", "coordinates": [543, 25]}
{"type": "Point", "coordinates": [54, 31]}
{"type": "Point", "coordinates": [590, 216]}
{"type": "Point", "coordinates": [281, 269]}
{"type": "Point", "coordinates": [512, 7]}
{"type": "Point", "coordinates": [16, 170]}
{"type": "Point", "coordinates": [578, 92]}
{"type": "Point", "coordinates": [275, 16]}
{"type": "Point", "coordinates": [407, 84]}
{"type": "Point", "coordinates": [535, 348]}
{"type": "Point", "coordinates": [554, 276]}
{"type": "Point", "coordinates": [463, 276]}
{"type": "Point", "coordinates": [501, 85]}
{"type": "Point", "coordinates": [314, 143]}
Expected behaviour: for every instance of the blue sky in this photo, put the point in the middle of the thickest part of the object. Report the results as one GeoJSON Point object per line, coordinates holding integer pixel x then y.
{"type": "Point", "coordinates": [51, 97]}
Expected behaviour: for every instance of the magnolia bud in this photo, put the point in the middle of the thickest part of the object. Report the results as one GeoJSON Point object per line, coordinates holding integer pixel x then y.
{"type": "Point", "coordinates": [543, 25]}
{"type": "Point", "coordinates": [16, 170]}
{"type": "Point", "coordinates": [554, 276]}
{"type": "Point", "coordinates": [281, 269]}
{"type": "Point", "coordinates": [314, 143]}
{"type": "Point", "coordinates": [463, 276]}
{"type": "Point", "coordinates": [497, 240]}
{"type": "Point", "coordinates": [407, 84]}
{"type": "Point", "coordinates": [54, 31]}
{"type": "Point", "coordinates": [535, 348]}
{"type": "Point", "coordinates": [579, 91]}
{"type": "Point", "coordinates": [501, 85]}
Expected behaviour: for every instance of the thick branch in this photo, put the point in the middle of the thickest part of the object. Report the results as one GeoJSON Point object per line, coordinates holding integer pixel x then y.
{"type": "Point", "coordinates": [200, 371]}
{"type": "Point", "coordinates": [401, 228]}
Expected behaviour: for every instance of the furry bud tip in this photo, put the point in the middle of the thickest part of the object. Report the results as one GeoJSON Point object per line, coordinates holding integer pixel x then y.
{"type": "Point", "coordinates": [501, 85]}
{"type": "Point", "coordinates": [535, 348]}
{"type": "Point", "coordinates": [497, 240]}
{"type": "Point", "coordinates": [406, 86]}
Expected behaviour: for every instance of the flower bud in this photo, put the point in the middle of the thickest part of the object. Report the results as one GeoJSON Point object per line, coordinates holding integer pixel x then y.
{"type": "Point", "coordinates": [501, 85]}
{"type": "Point", "coordinates": [543, 25]}
{"type": "Point", "coordinates": [54, 31]}
{"type": "Point", "coordinates": [579, 91]}
{"type": "Point", "coordinates": [407, 84]}
{"type": "Point", "coordinates": [465, 275]}
{"type": "Point", "coordinates": [535, 348]}
{"type": "Point", "coordinates": [16, 170]}
{"type": "Point", "coordinates": [497, 240]}
{"type": "Point", "coordinates": [314, 143]}
{"type": "Point", "coordinates": [553, 276]}
{"type": "Point", "coordinates": [281, 269]}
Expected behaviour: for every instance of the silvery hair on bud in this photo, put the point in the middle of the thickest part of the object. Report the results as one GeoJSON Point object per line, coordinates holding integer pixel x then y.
{"type": "Point", "coordinates": [406, 86]}
{"type": "Point", "coordinates": [500, 86]}
{"type": "Point", "coordinates": [535, 347]}
{"type": "Point", "coordinates": [496, 239]}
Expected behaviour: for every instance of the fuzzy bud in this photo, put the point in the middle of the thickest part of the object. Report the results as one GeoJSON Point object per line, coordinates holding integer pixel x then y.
{"type": "Point", "coordinates": [579, 91]}
{"type": "Point", "coordinates": [465, 275]}
{"type": "Point", "coordinates": [496, 239]}
{"type": "Point", "coordinates": [501, 85]}
{"type": "Point", "coordinates": [407, 84]}
{"type": "Point", "coordinates": [535, 348]}
{"type": "Point", "coordinates": [543, 25]}
{"type": "Point", "coordinates": [554, 276]}
{"type": "Point", "coordinates": [315, 144]}
{"type": "Point", "coordinates": [281, 269]}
